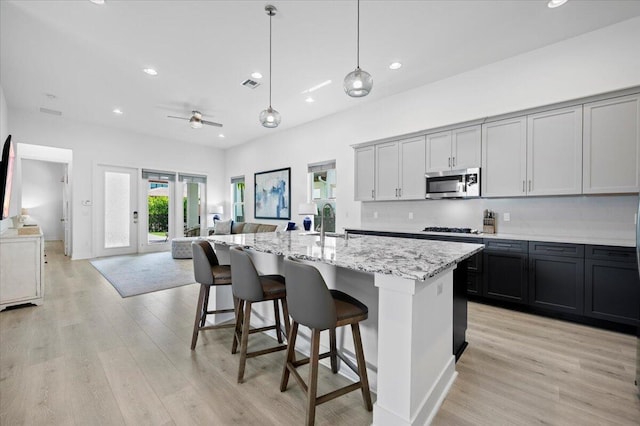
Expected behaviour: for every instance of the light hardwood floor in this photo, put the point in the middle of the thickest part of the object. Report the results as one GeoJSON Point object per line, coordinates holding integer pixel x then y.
{"type": "Point", "coordinates": [88, 357]}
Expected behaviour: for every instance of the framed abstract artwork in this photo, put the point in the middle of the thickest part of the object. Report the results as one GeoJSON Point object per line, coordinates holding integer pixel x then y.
{"type": "Point", "coordinates": [272, 194]}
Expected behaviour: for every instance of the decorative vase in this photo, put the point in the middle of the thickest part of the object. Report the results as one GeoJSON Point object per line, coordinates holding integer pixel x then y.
{"type": "Point", "coordinates": [18, 221]}
{"type": "Point", "coordinates": [306, 223]}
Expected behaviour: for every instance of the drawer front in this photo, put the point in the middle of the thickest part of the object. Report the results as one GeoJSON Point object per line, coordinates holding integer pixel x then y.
{"type": "Point", "coordinates": [611, 253]}
{"type": "Point", "coordinates": [556, 249]}
{"type": "Point", "coordinates": [514, 246]}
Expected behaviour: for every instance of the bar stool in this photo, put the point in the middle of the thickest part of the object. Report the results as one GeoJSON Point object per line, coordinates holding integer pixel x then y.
{"type": "Point", "coordinates": [208, 272]}
{"type": "Point", "coordinates": [249, 287]}
{"type": "Point", "coordinates": [313, 305]}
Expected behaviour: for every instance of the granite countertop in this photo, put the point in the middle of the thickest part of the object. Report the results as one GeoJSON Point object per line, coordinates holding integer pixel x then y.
{"type": "Point", "coordinates": [604, 241]}
{"type": "Point", "coordinates": [406, 258]}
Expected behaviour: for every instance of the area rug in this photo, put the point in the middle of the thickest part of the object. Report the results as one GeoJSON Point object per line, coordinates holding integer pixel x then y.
{"type": "Point", "coordinates": [143, 273]}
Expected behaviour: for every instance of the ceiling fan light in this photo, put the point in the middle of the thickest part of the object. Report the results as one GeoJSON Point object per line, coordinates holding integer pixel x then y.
{"type": "Point", "coordinates": [358, 83]}
{"type": "Point", "coordinates": [195, 123]}
{"type": "Point", "coordinates": [270, 118]}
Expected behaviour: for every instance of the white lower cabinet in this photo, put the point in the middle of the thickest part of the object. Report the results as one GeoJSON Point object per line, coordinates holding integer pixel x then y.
{"type": "Point", "coordinates": [21, 268]}
{"type": "Point", "coordinates": [612, 146]}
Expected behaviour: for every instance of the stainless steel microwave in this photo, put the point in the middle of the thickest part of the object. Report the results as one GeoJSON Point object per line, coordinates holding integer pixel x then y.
{"type": "Point", "coordinates": [453, 184]}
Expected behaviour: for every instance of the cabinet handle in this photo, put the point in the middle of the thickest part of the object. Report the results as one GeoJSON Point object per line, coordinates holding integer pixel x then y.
{"type": "Point", "coordinates": [399, 192]}
{"type": "Point", "coordinates": [449, 161]}
{"type": "Point", "coordinates": [454, 161]}
{"type": "Point", "coordinates": [529, 185]}
{"type": "Point", "coordinates": [523, 188]}
{"type": "Point", "coordinates": [372, 196]}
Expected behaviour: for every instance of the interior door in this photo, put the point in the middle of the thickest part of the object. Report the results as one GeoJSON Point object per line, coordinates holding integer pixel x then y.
{"type": "Point", "coordinates": [117, 211]}
{"type": "Point", "coordinates": [66, 223]}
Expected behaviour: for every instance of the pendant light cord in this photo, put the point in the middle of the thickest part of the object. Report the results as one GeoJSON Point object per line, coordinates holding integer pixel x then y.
{"type": "Point", "coordinates": [270, 17]}
{"type": "Point", "coordinates": [358, 37]}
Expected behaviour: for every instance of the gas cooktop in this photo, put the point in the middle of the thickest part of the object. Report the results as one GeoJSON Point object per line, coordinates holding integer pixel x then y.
{"type": "Point", "coordinates": [445, 229]}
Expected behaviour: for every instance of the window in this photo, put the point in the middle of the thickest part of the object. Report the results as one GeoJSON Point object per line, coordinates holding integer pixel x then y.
{"type": "Point", "coordinates": [322, 177]}
{"type": "Point", "coordinates": [237, 199]}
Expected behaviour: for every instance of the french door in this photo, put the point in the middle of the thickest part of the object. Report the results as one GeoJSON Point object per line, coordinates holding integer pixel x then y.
{"type": "Point", "coordinates": [116, 211]}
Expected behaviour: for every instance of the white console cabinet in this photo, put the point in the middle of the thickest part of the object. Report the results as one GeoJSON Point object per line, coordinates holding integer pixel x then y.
{"type": "Point", "coordinates": [21, 268]}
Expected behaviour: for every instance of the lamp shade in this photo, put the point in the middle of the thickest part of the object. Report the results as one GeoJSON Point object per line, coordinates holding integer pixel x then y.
{"type": "Point", "coordinates": [307, 208]}
{"type": "Point", "coordinates": [216, 209]}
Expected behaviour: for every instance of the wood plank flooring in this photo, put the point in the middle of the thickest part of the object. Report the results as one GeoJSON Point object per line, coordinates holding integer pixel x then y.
{"type": "Point", "coordinates": [87, 356]}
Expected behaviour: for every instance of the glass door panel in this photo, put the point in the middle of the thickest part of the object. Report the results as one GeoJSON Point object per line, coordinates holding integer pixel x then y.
{"type": "Point", "coordinates": [117, 211]}
{"type": "Point", "coordinates": [158, 211]}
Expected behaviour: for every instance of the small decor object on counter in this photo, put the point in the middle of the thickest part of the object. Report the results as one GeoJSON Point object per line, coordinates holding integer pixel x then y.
{"type": "Point", "coordinates": [489, 222]}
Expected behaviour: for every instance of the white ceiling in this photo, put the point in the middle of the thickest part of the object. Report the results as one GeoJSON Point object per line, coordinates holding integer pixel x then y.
{"type": "Point", "coordinates": [91, 57]}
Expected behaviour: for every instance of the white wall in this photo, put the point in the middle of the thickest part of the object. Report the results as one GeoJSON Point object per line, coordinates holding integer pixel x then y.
{"type": "Point", "coordinates": [42, 196]}
{"type": "Point", "coordinates": [596, 62]}
{"type": "Point", "coordinates": [93, 144]}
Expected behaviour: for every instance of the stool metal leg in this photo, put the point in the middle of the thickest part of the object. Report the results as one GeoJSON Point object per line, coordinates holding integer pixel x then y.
{"type": "Point", "coordinates": [362, 366]}
{"type": "Point", "coordinates": [196, 325]}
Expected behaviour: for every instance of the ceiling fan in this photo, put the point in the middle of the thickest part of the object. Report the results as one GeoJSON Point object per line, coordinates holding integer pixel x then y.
{"type": "Point", "coordinates": [196, 120]}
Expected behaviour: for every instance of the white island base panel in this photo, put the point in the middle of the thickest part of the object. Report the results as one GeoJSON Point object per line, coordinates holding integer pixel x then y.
{"type": "Point", "coordinates": [416, 365]}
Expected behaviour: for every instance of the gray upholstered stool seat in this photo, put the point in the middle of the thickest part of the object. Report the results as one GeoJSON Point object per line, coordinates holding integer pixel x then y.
{"type": "Point", "coordinates": [250, 287]}
{"type": "Point", "coordinates": [208, 272]}
{"type": "Point", "coordinates": [313, 305]}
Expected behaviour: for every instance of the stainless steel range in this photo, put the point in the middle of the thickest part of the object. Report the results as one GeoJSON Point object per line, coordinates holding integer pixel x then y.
{"type": "Point", "coordinates": [453, 230]}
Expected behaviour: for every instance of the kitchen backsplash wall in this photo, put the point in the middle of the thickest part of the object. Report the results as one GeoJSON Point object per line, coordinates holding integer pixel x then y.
{"type": "Point", "coordinates": [580, 216]}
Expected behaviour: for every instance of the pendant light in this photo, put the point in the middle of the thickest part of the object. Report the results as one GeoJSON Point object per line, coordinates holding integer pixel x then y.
{"type": "Point", "coordinates": [270, 117]}
{"type": "Point", "coordinates": [358, 83]}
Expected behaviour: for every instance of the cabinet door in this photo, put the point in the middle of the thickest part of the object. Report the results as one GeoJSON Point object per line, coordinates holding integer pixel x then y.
{"type": "Point", "coordinates": [387, 171]}
{"type": "Point", "coordinates": [505, 276]}
{"type": "Point", "coordinates": [504, 158]}
{"type": "Point", "coordinates": [554, 152]}
{"type": "Point", "coordinates": [439, 152]}
{"type": "Point", "coordinates": [612, 145]}
{"type": "Point", "coordinates": [364, 173]}
{"type": "Point", "coordinates": [466, 148]}
{"type": "Point", "coordinates": [20, 267]}
{"type": "Point", "coordinates": [612, 291]}
{"type": "Point", "coordinates": [557, 283]}
{"type": "Point", "coordinates": [412, 158]}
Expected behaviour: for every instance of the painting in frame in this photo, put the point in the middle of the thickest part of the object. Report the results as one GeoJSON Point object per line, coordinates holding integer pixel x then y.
{"type": "Point", "coordinates": [272, 194]}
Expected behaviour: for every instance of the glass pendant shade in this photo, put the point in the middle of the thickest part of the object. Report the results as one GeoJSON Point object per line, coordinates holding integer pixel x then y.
{"type": "Point", "coordinates": [270, 117]}
{"type": "Point", "coordinates": [358, 83]}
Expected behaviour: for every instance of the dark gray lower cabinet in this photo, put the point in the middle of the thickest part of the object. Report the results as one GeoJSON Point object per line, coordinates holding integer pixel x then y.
{"type": "Point", "coordinates": [556, 277]}
{"type": "Point", "coordinates": [612, 286]}
{"type": "Point", "coordinates": [505, 270]}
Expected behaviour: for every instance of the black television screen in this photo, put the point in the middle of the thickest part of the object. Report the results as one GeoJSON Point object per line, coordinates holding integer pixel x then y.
{"type": "Point", "coordinates": [6, 176]}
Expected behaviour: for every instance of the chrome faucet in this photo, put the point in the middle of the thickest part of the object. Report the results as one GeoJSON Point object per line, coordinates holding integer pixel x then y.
{"type": "Point", "coordinates": [332, 213]}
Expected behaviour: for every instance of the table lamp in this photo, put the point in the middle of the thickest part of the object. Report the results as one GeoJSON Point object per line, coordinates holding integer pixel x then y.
{"type": "Point", "coordinates": [307, 209]}
{"type": "Point", "coordinates": [216, 210]}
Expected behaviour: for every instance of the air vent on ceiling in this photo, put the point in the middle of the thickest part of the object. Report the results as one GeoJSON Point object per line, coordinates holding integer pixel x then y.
{"type": "Point", "coordinates": [50, 111]}
{"type": "Point", "coordinates": [251, 84]}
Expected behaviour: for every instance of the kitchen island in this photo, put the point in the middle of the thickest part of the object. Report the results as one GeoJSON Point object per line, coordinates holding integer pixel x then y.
{"type": "Point", "coordinates": [408, 286]}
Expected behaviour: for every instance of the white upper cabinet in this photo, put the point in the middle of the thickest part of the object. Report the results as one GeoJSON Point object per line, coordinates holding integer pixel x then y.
{"type": "Point", "coordinates": [504, 158]}
{"type": "Point", "coordinates": [454, 149]}
{"type": "Point", "coordinates": [364, 173]}
{"type": "Point", "coordinates": [387, 171]}
{"type": "Point", "coordinates": [612, 145]}
{"type": "Point", "coordinates": [554, 152]}
{"type": "Point", "coordinates": [399, 170]}
{"type": "Point", "coordinates": [412, 185]}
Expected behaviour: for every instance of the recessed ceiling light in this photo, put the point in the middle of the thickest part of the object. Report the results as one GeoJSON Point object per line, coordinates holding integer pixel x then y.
{"type": "Point", "coordinates": [118, 111]}
{"type": "Point", "coordinates": [150, 71]}
{"type": "Point", "coordinates": [395, 65]}
{"type": "Point", "coordinates": [556, 3]}
{"type": "Point", "coordinates": [309, 99]}
{"type": "Point", "coordinates": [221, 136]}
{"type": "Point", "coordinates": [256, 75]}
{"type": "Point", "coordinates": [99, 2]}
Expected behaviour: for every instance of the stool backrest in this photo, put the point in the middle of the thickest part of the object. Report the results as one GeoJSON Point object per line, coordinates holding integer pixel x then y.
{"type": "Point", "coordinates": [245, 281]}
{"type": "Point", "coordinates": [309, 300]}
{"type": "Point", "coordinates": [203, 259]}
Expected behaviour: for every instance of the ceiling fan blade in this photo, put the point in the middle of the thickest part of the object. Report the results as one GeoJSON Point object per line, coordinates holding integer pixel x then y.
{"type": "Point", "coordinates": [211, 123]}
{"type": "Point", "coordinates": [179, 118]}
